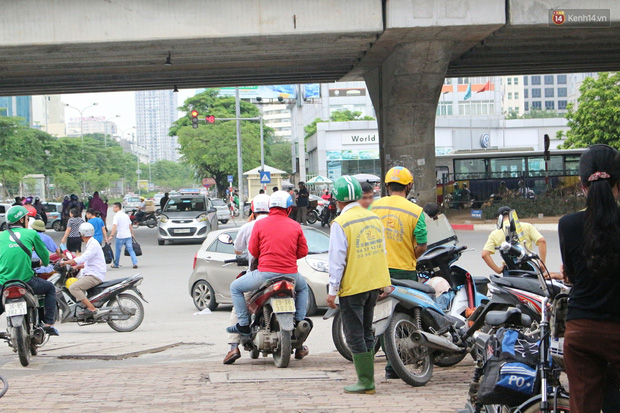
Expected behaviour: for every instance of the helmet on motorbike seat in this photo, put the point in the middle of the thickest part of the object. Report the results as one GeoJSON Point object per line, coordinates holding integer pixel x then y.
{"type": "Point", "coordinates": [15, 213]}
{"type": "Point", "coordinates": [400, 175]}
{"type": "Point", "coordinates": [280, 199]}
{"type": "Point", "coordinates": [70, 281]}
{"type": "Point", "coordinates": [86, 230]}
{"type": "Point", "coordinates": [347, 189]}
{"type": "Point", "coordinates": [260, 203]}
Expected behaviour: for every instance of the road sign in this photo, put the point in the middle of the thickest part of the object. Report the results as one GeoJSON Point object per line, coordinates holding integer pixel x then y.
{"type": "Point", "coordinates": [138, 171]}
{"type": "Point", "coordinates": [476, 213]}
{"type": "Point", "coordinates": [143, 184]}
{"type": "Point", "coordinates": [265, 177]}
{"type": "Point", "coordinates": [230, 178]}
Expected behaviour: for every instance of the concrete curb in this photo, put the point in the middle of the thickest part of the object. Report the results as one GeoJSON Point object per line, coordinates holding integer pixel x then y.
{"type": "Point", "coordinates": [491, 227]}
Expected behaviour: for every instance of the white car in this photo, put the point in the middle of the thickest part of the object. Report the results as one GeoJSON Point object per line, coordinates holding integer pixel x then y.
{"type": "Point", "coordinates": [131, 203]}
{"type": "Point", "coordinates": [186, 218]}
{"type": "Point", "coordinates": [3, 209]}
{"type": "Point", "coordinates": [223, 213]}
{"type": "Point", "coordinates": [209, 284]}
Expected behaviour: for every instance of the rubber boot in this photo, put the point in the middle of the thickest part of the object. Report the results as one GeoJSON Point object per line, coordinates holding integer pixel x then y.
{"type": "Point", "coordinates": [365, 369]}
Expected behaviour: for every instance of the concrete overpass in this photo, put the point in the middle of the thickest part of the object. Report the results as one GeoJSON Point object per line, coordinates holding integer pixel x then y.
{"type": "Point", "coordinates": [402, 48]}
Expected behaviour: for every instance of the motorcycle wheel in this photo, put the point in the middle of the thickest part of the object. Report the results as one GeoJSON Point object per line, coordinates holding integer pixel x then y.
{"type": "Point", "coordinates": [22, 343]}
{"type": "Point", "coordinates": [135, 224]}
{"type": "Point", "coordinates": [449, 361]}
{"type": "Point", "coordinates": [563, 405]}
{"type": "Point", "coordinates": [282, 354]}
{"type": "Point", "coordinates": [129, 302]}
{"type": "Point", "coordinates": [151, 222]}
{"type": "Point", "coordinates": [339, 339]}
{"type": "Point", "coordinates": [413, 364]}
{"type": "Point", "coordinates": [312, 217]}
{"type": "Point", "coordinates": [4, 386]}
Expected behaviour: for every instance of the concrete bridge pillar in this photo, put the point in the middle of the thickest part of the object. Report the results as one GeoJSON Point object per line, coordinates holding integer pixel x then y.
{"type": "Point", "coordinates": [405, 90]}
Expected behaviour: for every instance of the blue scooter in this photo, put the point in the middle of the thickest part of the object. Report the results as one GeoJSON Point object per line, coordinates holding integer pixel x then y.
{"type": "Point", "coordinates": [417, 331]}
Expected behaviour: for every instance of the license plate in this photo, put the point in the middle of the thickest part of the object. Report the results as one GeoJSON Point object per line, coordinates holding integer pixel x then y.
{"type": "Point", "coordinates": [182, 231]}
{"type": "Point", "coordinates": [283, 305]}
{"type": "Point", "coordinates": [383, 310]}
{"type": "Point", "coordinates": [18, 308]}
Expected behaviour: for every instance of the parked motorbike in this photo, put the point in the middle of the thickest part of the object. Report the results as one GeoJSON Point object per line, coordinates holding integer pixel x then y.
{"type": "Point", "coordinates": [121, 311]}
{"type": "Point", "coordinates": [272, 309]}
{"type": "Point", "coordinates": [328, 213]}
{"type": "Point", "coordinates": [24, 310]}
{"type": "Point", "coordinates": [148, 219]}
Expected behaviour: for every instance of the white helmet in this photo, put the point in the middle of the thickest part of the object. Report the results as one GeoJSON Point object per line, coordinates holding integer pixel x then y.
{"type": "Point", "coordinates": [260, 203]}
{"type": "Point", "coordinates": [280, 199]}
{"type": "Point", "coordinates": [86, 230]}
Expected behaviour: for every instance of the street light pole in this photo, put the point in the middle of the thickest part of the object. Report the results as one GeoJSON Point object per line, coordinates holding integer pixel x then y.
{"type": "Point", "coordinates": [239, 154]}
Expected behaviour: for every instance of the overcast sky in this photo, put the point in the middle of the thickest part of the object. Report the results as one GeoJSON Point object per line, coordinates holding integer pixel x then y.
{"type": "Point", "coordinates": [109, 105]}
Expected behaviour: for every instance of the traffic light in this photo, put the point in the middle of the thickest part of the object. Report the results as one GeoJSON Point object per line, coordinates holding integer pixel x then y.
{"type": "Point", "coordinates": [194, 119]}
{"type": "Point", "coordinates": [210, 119]}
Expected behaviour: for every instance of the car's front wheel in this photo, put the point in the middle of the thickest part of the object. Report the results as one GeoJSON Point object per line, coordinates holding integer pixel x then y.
{"type": "Point", "coordinates": [204, 296]}
{"type": "Point", "coordinates": [224, 221]}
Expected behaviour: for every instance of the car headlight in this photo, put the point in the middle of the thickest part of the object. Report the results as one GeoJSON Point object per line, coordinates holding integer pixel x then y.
{"type": "Point", "coordinates": [163, 218]}
{"type": "Point", "coordinates": [202, 218]}
{"type": "Point", "coordinates": [318, 265]}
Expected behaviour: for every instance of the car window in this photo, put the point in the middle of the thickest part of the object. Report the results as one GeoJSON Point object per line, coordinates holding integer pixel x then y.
{"type": "Point", "coordinates": [218, 202]}
{"type": "Point", "coordinates": [50, 208]}
{"type": "Point", "coordinates": [218, 246]}
{"type": "Point", "coordinates": [133, 199]}
{"type": "Point", "coordinates": [2, 211]}
{"type": "Point", "coordinates": [318, 242]}
{"type": "Point", "coordinates": [185, 204]}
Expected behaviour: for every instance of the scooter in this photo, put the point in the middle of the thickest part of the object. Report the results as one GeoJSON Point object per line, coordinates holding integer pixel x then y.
{"type": "Point", "coordinates": [148, 219]}
{"type": "Point", "coordinates": [272, 308]}
{"type": "Point", "coordinates": [121, 311]}
{"type": "Point", "coordinates": [24, 310]}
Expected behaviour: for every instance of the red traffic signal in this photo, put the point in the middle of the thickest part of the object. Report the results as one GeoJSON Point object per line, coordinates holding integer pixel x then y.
{"type": "Point", "coordinates": [210, 119]}
{"type": "Point", "coordinates": [194, 113]}
{"type": "Point", "coordinates": [194, 119]}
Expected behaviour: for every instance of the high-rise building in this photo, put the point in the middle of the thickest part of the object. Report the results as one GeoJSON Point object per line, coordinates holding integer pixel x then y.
{"type": "Point", "coordinates": [91, 125]}
{"type": "Point", "coordinates": [551, 92]}
{"type": "Point", "coordinates": [155, 112]}
{"type": "Point", "coordinates": [48, 114]}
{"type": "Point", "coordinates": [20, 106]}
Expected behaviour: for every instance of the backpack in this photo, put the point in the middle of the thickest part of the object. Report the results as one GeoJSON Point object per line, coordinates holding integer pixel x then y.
{"type": "Point", "coordinates": [510, 374]}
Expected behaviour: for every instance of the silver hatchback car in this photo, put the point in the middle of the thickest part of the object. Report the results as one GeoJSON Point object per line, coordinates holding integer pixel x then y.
{"type": "Point", "coordinates": [186, 217]}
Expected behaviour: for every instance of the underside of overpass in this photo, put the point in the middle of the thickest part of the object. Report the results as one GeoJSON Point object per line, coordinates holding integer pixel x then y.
{"type": "Point", "coordinates": [402, 48]}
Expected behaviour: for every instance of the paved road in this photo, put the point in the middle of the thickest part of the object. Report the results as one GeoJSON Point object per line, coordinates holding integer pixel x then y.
{"type": "Point", "coordinates": [176, 348]}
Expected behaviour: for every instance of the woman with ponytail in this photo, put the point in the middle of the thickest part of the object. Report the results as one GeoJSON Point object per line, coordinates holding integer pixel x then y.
{"type": "Point", "coordinates": [590, 247]}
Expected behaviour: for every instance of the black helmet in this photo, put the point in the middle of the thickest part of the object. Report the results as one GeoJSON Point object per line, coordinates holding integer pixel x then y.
{"type": "Point", "coordinates": [74, 197]}
{"type": "Point", "coordinates": [505, 210]}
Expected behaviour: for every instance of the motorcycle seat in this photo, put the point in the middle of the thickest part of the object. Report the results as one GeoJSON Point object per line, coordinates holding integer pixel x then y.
{"type": "Point", "coordinates": [110, 283]}
{"type": "Point", "coordinates": [415, 285]}
{"type": "Point", "coordinates": [512, 316]}
{"type": "Point", "coordinates": [531, 285]}
{"type": "Point", "coordinates": [480, 280]}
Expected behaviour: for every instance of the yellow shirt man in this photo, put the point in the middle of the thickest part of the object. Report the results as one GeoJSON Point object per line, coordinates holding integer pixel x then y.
{"type": "Point", "coordinates": [531, 237]}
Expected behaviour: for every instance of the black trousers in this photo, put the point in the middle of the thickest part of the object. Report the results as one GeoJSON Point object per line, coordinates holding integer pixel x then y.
{"type": "Point", "coordinates": [357, 312]}
{"type": "Point", "coordinates": [40, 286]}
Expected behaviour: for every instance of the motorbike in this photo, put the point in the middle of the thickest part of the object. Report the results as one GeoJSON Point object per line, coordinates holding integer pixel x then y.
{"type": "Point", "coordinates": [552, 397]}
{"type": "Point", "coordinates": [272, 309]}
{"type": "Point", "coordinates": [121, 311]}
{"type": "Point", "coordinates": [148, 219]}
{"type": "Point", "coordinates": [24, 311]}
{"type": "Point", "coordinates": [328, 213]}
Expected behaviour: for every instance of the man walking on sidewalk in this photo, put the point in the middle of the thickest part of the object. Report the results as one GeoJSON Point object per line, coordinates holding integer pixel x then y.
{"type": "Point", "coordinates": [124, 235]}
{"type": "Point", "coordinates": [358, 270]}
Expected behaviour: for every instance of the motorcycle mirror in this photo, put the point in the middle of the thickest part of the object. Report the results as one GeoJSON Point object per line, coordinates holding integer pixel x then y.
{"type": "Point", "coordinates": [225, 239]}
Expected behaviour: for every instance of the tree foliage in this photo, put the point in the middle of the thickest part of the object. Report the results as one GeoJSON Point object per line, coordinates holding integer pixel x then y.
{"type": "Point", "coordinates": [336, 116]}
{"type": "Point", "coordinates": [597, 116]}
{"type": "Point", "coordinates": [211, 149]}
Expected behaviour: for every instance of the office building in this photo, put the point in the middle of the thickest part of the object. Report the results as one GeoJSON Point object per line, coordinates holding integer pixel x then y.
{"type": "Point", "coordinates": [155, 112]}
{"type": "Point", "coordinates": [91, 125]}
{"type": "Point", "coordinates": [18, 106]}
{"type": "Point", "coordinates": [48, 114]}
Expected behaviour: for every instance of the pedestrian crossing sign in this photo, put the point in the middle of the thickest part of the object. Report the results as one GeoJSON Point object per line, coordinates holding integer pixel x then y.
{"type": "Point", "coordinates": [265, 177]}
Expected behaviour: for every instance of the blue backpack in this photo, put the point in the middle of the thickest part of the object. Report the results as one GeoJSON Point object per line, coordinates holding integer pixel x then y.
{"type": "Point", "coordinates": [510, 373]}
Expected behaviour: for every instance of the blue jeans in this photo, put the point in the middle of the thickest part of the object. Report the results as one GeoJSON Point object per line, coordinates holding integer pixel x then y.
{"type": "Point", "coordinates": [254, 279]}
{"type": "Point", "coordinates": [128, 243]}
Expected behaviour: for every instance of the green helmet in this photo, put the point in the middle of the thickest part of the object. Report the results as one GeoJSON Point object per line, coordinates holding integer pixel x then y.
{"type": "Point", "coordinates": [15, 213]}
{"type": "Point", "coordinates": [347, 188]}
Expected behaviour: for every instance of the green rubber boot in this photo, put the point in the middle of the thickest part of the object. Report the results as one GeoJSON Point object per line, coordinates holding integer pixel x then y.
{"type": "Point", "coordinates": [365, 369]}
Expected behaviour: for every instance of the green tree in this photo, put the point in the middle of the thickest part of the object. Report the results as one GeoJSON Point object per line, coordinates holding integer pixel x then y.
{"type": "Point", "coordinates": [597, 117]}
{"type": "Point", "coordinates": [170, 175]}
{"type": "Point", "coordinates": [336, 116]}
{"type": "Point", "coordinates": [281, 156]}
{"type": "Point", "coordinates": [211, 149]}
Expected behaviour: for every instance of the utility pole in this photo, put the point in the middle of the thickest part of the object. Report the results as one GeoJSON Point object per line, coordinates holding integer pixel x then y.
{"type": "Point", "coordinates": [239, 153]}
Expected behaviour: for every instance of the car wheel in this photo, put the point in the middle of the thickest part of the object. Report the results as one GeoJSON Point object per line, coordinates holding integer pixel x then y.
{"type": "Point", "coordinates": [57, 226]}
{"type": "Point", "coordinates": [3, 226]}
{"type": "Point", "coordinates": [311, 308]}
{"type": "Point", "coordinates": [224, 221]}
{"type": "Point", "coordinates": [161, 242]}
{"type": "Point", "coordinates": [203, 296]}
